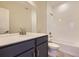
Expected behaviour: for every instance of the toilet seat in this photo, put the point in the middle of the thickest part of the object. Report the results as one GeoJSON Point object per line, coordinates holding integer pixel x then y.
{"type": "Point", "coordinates": [53, 45]}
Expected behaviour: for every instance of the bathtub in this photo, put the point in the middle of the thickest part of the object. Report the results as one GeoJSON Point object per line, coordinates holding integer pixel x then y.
{"type": "Point", "coordinates": [70, 48]}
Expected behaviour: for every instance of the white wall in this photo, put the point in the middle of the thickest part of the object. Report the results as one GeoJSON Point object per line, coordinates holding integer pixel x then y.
{"type": "Point", "coordinates": [41, 11]}
{"type": "Point", "coordinates": [4, 20]}
{"type": "Point", "coordinates": [64, 24]}
{"type": "Point", "coordinates": [49, 18]}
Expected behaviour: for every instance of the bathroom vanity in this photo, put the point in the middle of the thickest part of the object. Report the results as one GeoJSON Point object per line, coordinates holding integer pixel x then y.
{"type": "Point", "coordinates": [29, 45]}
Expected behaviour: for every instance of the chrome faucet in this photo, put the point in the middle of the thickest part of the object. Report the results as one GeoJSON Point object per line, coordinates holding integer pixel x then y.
{"type": "Point", "coordinates": [22, 31]}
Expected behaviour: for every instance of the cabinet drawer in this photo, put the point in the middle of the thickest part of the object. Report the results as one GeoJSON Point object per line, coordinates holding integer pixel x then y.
{"type": "Point", "coordinates": [41, 40]}
{"type": "Point", "coordinates": [30, 53]}
{"type": "Point", "coordinates": [16, 49]}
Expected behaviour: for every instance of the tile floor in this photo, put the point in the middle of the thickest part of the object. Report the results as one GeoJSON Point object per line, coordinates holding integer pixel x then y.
{"type": "Point", "coordinates": [59, 54]}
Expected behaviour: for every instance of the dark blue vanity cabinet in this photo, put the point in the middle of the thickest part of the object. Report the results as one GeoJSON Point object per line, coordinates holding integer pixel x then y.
{"type": "Point", "coordinates": [37, 47]}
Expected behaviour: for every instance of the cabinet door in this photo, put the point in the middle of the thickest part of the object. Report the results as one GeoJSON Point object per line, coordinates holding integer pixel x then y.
{"type": "Point", "coordinates": [42, 50]}
{"type": "Point", "coordinates": [41, 40]}
{"type": "Point", "coordinates": [30, 53]}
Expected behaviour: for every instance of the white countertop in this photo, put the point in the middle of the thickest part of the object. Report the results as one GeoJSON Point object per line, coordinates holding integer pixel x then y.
{"type": "Point", "coordinates": [6, 39]}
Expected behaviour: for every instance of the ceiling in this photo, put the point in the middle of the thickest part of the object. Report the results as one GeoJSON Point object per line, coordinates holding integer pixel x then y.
{"type": "Point", "coordinates": [54, 4]}
{"type": "Point", "coordinates": [24, 4]}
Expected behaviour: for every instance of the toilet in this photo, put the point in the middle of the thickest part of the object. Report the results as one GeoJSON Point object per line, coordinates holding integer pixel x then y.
{"type": "Point", "coordinates": [53, 48]}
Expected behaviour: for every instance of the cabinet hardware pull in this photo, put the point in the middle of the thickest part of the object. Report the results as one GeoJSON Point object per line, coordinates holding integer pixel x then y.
{"type": "Point", "coordinates": [33, 54]}
{"type": "Point", "coordinates": [37, 52]}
